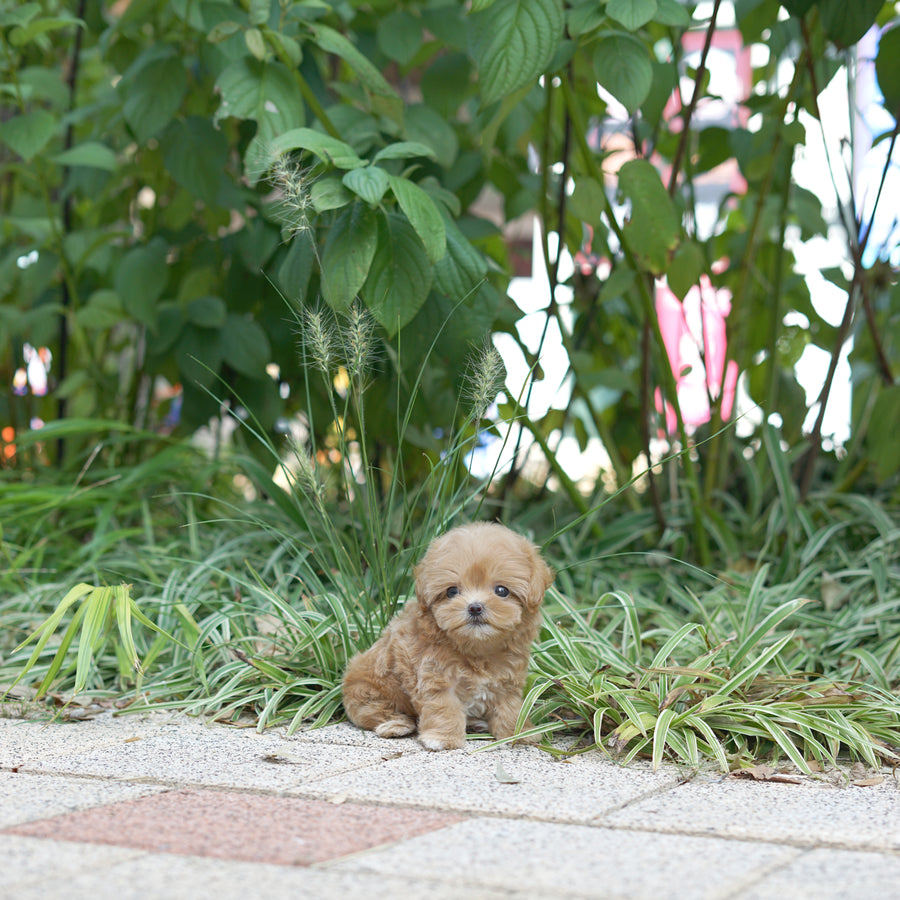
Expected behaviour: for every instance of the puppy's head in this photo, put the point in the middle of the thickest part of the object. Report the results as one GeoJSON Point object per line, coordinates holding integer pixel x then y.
{"type": "Point", "coordinates": [482, 583]}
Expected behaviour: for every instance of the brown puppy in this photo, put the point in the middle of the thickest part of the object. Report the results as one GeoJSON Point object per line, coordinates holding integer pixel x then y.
{"type": "Point", "coordinates": [459, 653]}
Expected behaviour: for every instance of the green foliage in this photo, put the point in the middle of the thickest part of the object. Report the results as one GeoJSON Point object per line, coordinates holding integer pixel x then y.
{"type": "Point", "coordinates": [188, 188]}
{"type": "Point", "coordinates": [204, 170]}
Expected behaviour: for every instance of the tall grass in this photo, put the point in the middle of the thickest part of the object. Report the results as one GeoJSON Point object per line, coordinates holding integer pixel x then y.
{"type": "Point", "coordinates": [790, 649]}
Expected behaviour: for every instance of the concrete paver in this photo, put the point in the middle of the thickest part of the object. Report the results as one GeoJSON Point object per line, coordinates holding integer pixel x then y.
{"type": "Point", "coordinates": [228, 825]}
{"type": "Point", "coordinates": [24, 798]}
{"type": "Point", "coordinates": [575, 860]}
{"type": "Point", "coordinates": [807, 814]}
{"type": "Point", "coordinates": [831, 875]}
{"type": "Point", "coordinates": [168, 806]}
{"type": "Point", "coordinates": [512, 781]}
{"type": "Point", "coordinates": [130, 875]}
{"type": "Point", "coordinates": [23, 741]}
{"type": "Point", "coordinates": [232, 758]}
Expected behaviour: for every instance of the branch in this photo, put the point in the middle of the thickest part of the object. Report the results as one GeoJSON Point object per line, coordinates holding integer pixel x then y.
{"type": "Point", "coordinates": [695, 95]}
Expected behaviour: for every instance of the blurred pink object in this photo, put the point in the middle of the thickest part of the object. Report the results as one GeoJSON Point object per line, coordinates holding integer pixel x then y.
{"type": "Point", "coordinates": [694, 335]}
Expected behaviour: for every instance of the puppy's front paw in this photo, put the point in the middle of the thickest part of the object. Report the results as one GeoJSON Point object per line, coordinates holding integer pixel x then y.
{"type": "Point", "coordinates": [393, 728]}
{"type": "Point", "coordinates": [433, 740]}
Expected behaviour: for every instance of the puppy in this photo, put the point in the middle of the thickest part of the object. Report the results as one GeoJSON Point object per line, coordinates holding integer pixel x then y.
{"type": "Point", "coordinates": [458, 655]}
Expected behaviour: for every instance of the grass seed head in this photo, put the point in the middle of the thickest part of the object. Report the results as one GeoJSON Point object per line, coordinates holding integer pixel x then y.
{"type": "Point", "coordinates": [318, 338]}
{"type": "Point", "coordinates": [360, 346]}
{"type": "Point", "coordinates": [485, 379]}
{"type": "Point", "coordinates": [293, 182]}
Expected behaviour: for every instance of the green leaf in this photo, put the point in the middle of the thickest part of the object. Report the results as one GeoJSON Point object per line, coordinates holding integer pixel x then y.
{"type": "Point", "coordinates": [25, 34]}
{"type": "Point", "coordinates": [672, 13]}
{"type": "Point", "coordinates": [845, 23]}
{"type": "Point", "coordinates": [405, 150]}
{"type": "Point", "coordinates": [423, 215]}
{"type": "Point", "coordinates": [399, 36]}
{"type": "Point", "coordinates": [631, 13]}
{"type": "Point", "coordinates": [369, 183]}
{"type": "Point", "coordinates": [263, 91]}
{"type": "Point", "coordinates": [887, 67]}
{"type": "Point", "coordinates": [400, 277]}
{"type": "Point", "coordinates": [103, 310]}
{"type": "Point", "coordinates": [513, 42]}
{"type": "Point", "coordinates": [425, 126]}
{"type": "Point", "coordinates": [222, 31]}
{"type": "Point", "coordinates": [152, 91]}
{"type": "Point", "coordinates": [207, 312]}
{"type": "Point", "coordinates": [882, 439]}
{"type": "Point", "coordinates": [256, 43]}
{"type": "Point", "coordinates": [327, 148]}
{"type": "Point", "coordinates": [654, 228]}
{"type": "Point", "coordinates": [329, 193]}
{"type": "Point", "coordinates": [90, 154]}
{"type": "Point", "coordinates": [266, 93]}
{"type": "Point", "coordinates": [21, 14]}
{"type": "Point", "coordinates": [798, 8]}
{"type": "Point", "coordinates": [245, 346]}
{"type": "Point", "coordinates": [347, 255]}
{"type": "Point", "coordinates": [294, 272]}
{"type": "Point", "coordinates": [196, 154]}
{"type": "Point", "coordinates": [622, 66]}
{"type": "Point", "coordinates": [461, 268]}
{"type": "Point", "coordinates": [259, 11]}
{"type": "Point", "coordinates": [584, 18]}
{"type": "Point", "coordinates": [332, 41]}
{"type": "Point", "coordinates": [141, 278]}
{"type": "Point", "coordinates": [199, 354]}
{"type": "Point", "coordinates": [685, 268]}
{"type": "Point", "coordinates": [29, 133]}
{"type": "Point", "coordinates": [588, 200]}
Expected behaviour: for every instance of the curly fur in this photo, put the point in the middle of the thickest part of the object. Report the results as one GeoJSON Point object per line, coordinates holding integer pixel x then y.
{"type": "Point", "coordinates": [458, 654]}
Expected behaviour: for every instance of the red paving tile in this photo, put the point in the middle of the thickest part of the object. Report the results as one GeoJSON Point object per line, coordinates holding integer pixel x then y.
{"type": "Point", "coordinates": [248, 827]}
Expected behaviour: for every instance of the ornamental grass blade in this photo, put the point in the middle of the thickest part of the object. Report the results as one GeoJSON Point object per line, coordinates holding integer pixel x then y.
{"type": "Point", "coordinates": [97, 608]}
{"type": "Point", "coordinates": [123, 604]}
{"type": "Point", "coordinates": [750, 672]}
{"type": "Point", "coordinates": [43, 633]}
{"type": "Point", "coordinates": [660, 733]}
{"type": "Point", "coordinates": [769, 623]}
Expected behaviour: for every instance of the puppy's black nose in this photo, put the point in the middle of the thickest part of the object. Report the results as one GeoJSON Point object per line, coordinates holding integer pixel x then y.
{"type": "Point", "coordinates": [476, 609]}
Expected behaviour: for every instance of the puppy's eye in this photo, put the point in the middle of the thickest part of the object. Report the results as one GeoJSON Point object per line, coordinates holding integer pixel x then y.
{"type": "Point", "coordinates": [452, 592]}
{"type": "Point", "coordinates": [501, 591]}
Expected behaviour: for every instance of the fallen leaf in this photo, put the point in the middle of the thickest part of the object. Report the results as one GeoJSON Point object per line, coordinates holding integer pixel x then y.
{"type": "Point", "coordinates": [338, 799]}
{"type": "Point", "coordinates": [766, 773]}
{"type": "Point", "coordinates": [280, 758]}
{"type": "Point", "coordinates": [503, 776]}
{"type": "Point", "coordinates": [131, 740]}
{"type": "Point", "coordinates": [869, 782]}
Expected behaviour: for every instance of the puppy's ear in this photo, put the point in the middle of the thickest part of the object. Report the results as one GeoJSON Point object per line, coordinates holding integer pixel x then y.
{"type": "Point", "coordinates": [425, 591]}
{"type": "Point", "coordinates": [541, 579]}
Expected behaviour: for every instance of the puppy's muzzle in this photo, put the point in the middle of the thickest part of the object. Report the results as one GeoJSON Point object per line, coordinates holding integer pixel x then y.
{"type": "Point", "coordinates": [475, 611]}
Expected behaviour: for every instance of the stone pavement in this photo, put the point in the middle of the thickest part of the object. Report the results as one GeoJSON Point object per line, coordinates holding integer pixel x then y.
{"type": "Point", "coordinates": [161, 805]}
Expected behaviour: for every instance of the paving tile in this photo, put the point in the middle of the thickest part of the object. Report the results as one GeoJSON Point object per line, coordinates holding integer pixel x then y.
{"type": "Point", "coordinates": [213, 755]}
{"type": "Point", "coordinates": [575, 860]}
{"type": "Point", "coordinates": [25, 797]}
{"type": "Point", "coordinates": [32, 861]}
{"type": "Point", "coordinates": [24, 742]}
{"type": "Point", "coordinates": [804, 814]}
{"type": "Point", "coordinates": [345, 733]}
{"type": "Point", "coordinates": [507, 781]}
{"type": "Point", "coordinates": [194, 878]}
{"type": "Point", "coordinates": [831, 875]}
{"type": "Point", "coordinates": [238, 826]}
